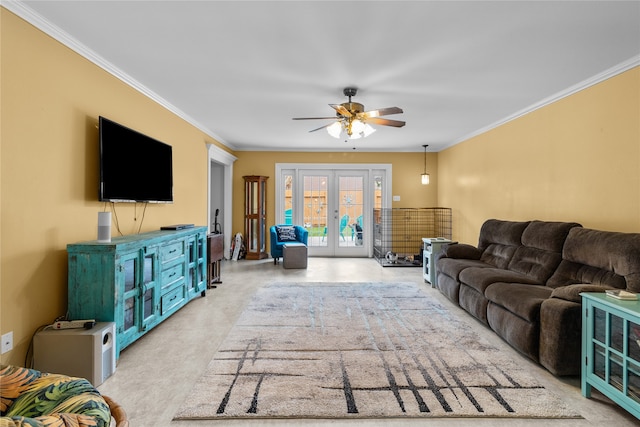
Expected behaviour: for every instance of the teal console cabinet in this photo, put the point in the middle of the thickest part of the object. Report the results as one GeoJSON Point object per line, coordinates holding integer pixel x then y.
{"type": "Point", "coordinates": [136, 281]}
{"type": "Point", "coordinates": [611, 349]}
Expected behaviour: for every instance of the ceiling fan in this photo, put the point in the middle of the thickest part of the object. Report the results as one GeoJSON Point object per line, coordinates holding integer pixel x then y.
{"type": "Point", "coordinates": [351, 118]}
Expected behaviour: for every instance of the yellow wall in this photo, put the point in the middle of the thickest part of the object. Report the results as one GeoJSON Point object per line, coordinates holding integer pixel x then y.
{"type": "Point", "coordinates": [575, 160]}
{"type": "Point", "coordinates": [51, 100]}
{"type": "Point", "coordinates": [407, 168]}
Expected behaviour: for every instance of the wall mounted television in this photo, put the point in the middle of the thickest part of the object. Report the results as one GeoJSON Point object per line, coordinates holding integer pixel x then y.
{"type": "Point", "coordinates": [133, 166]}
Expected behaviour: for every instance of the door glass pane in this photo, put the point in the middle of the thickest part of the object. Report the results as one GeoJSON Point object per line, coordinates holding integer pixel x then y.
{"type": "Point", "coordinates": [351, 204]}
{"type": "Point", "coordinates": [615, 371]}
{"type": "Point", "coordinates": [616, 332]}
{"type": "Point", "coordinates": [599, 360]}
{"type": "Point", "coordinates": [148, 304]}
{"type": "Point", "coordinates": [599, 322]}
{"type": "Point", "coordinates": [288, 199]}
{"type": "Point", "coordinates": [129, 274]}
{"type": "Point", "coordinates": [315, 209]}
{"type": "Point", "coordinates": [634, 382]}
{"type": "Point", "coordinates": [634, 341]}
{"type": "Point", "coordinates": [129, 313]}
{"type": "Point", "coordinates": [148, 269]}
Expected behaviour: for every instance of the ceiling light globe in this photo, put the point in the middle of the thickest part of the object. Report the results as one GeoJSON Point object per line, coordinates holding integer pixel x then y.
{"type": "Point", "coordinates": [335, 129]}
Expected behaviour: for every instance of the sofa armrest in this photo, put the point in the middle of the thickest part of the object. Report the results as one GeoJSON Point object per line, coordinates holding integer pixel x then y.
{"type": "Point", "coordinates": [572, 292]}
{"type": "Point", "coordinates": [460, 251]}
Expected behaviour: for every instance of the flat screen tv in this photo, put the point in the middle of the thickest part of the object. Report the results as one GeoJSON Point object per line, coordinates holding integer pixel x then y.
{"type": "Point", "coordinates": [133, 166]}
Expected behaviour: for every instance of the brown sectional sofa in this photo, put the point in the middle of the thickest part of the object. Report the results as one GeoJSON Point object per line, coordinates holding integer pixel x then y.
{"type": "Point", "coordinates": [524, 279]}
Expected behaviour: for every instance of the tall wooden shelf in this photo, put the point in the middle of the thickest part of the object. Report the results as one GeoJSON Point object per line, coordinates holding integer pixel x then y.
{"type": "Point", "coordinates": [255, 215]}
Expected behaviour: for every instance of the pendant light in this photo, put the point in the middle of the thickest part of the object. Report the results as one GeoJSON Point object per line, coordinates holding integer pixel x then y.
{"type": "Point", "coordinates": [425, 175]}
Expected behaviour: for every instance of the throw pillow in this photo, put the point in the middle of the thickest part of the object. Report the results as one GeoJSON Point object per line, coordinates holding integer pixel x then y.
{"type": "Point", "coordinates": [286, 234]}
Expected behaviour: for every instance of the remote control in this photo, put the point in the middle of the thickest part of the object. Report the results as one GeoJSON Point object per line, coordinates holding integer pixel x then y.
{"type": "Point", "coordinates": [74, 324]}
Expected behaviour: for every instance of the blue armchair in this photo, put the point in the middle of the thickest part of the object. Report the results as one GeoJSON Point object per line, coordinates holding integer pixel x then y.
{"type": "Point", "coordinates": [281, 235]}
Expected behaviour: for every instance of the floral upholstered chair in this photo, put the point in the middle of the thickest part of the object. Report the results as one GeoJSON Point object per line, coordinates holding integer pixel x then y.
{"type": "Point", "coordinates": [35, 399]}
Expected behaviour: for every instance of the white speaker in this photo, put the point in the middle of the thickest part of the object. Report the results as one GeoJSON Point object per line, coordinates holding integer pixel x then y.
{"type": "Point", "coordinates": [84, 353]}
{"type": "Point", "coordinates": [104, 227]}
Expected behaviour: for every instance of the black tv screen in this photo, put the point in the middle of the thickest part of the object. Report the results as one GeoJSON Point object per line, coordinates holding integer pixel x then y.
{"type": "Point", "coordinates": [133, 166]}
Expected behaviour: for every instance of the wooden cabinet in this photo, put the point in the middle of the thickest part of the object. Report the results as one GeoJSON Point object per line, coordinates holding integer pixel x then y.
{"type": "Point", "coordinates": [215, 253]}
{"type": "Point", "coordinates": [136, 281]}
{"type": "Point", "coordinates": [255, 215]}
{"type": "Point", "coordinates": [611, 349]}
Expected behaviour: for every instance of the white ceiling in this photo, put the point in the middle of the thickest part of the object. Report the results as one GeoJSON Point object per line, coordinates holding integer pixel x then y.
{"type": "Point", "coordinates": [241, 70]}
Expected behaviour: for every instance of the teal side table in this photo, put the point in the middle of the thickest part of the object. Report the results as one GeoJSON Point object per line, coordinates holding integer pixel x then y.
{"type": "Point", "coordinates": [611, 349]}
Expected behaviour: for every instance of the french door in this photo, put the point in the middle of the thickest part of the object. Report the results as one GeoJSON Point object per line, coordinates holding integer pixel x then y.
{"type": "Point", "coordinates": [334, 211]}
{"type": "Point", "coordinates": [334, 203]}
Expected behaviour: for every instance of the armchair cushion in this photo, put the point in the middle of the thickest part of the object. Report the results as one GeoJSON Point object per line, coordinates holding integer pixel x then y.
{"type": "Point", "coordinates": [33, 398]}
{"type": "Point", "coordinates": [286, 233]}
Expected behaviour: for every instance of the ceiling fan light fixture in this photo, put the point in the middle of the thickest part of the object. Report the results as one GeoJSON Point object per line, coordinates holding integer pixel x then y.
{"type": "Point", "coordinates": [335, 130]}
{"type": "Point", "coordinates": [357, 127]}
{"type": "Point", "coordinates": [352, 118]}
{"type": "Point", "coordinates": [368, 130]}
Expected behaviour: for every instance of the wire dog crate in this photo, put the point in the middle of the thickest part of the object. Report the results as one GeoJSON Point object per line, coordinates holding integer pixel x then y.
{"type": "Point", "coordinates": [399, 231]}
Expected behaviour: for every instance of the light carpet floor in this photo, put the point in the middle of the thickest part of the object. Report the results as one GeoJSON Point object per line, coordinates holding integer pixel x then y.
{"type": "Point", "coordinates": [361, 350]}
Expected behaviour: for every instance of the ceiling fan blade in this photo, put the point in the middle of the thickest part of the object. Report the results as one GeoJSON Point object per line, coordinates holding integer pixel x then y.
{"type": "Point", "coordinates": [322, 127]}
{"type": "Point", "coordinates": [313, 118]}
{"type": "Point", "coordinates": [385, 122]}
{"type": "Point", "coordinates": [341, 110]}
{"type": "Point", "coordinates": [383, 112]}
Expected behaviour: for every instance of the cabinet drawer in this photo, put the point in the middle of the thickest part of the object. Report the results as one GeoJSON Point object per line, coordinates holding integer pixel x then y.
{"type": "Point", "coordinates": [171, 252]}
{"type": "Point", "coordinates": [172, 299]}
{"type": "Point", "coordinates": [172, 274]}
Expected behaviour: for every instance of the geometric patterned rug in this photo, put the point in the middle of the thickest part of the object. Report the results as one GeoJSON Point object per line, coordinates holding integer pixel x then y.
{"type": "Point", "coordinates": [361, 350]}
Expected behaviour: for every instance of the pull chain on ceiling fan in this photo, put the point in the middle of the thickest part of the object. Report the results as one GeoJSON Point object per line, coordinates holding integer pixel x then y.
{"type": "Point", "coordinates": [352, 119]}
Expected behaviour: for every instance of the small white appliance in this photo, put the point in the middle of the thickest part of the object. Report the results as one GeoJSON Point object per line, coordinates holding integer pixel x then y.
{"type": "Point", "coordinates": [85, 353]}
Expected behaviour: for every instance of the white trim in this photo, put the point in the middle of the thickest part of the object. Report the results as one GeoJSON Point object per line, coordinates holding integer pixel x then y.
{"type": "Point", "coordinates": [218, 155]}
{"type": "Point", "coordinates": [598, 78]}
{"type": "Point", "coordinates": [32, 17]}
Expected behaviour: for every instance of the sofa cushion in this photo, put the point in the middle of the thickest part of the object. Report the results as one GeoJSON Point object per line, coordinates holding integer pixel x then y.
{"type": "Point", "coordinates": [507, 233]}
{"type": "Point", "coordinates": [534, 263]}
{"type": "Point", "coordinates": [286, 233]}
{"type": "Point", "coordinates": [572, 292]}
{"type": "Point", "coordinates": [541, 249]}
{"type": "Point", "coordinates": [603, 258]}
{"type": "Point", "coordinates": [520, 299]}
{"type": "Point", "coordinates": [498, 241]}
{"type": "Point", "coordinates": [453, 267]}
{"type": "Point", "coordinates": [480, 278]}
{"type": "Point", "coordinates": [547, 235]}
{"type": "Point", "coordinates": [498, 255]}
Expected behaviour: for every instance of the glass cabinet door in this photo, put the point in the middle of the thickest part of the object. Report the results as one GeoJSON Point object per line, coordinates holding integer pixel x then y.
{"type": "Point", "coordinates": [148, 288]}
{"type": "Point", "coordinates": [196, 277]}
{"type": "Point", "coordinates": [128, 315]}
{"type": "Point", "coordinates": [139, 308]}
{"type": "Point", "coordinates": [616, 352]}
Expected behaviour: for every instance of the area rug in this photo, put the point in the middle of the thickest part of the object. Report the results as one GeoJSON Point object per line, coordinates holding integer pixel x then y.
{"type": "Point", "coordinates": [349, 350]}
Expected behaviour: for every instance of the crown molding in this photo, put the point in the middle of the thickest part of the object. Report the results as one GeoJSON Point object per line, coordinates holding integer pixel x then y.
{"type": "Point", "coordinates": [598, 78]}
{"type": "Point", "coordinates": [25, 12]}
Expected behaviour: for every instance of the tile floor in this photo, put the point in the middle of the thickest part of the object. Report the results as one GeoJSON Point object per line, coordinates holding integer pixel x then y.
{"type": "Point", "coordinates": [154, 375]}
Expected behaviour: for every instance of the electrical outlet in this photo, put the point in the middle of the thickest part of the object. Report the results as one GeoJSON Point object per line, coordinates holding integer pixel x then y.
{"type": "Point", "coordinates": [7, 342]}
